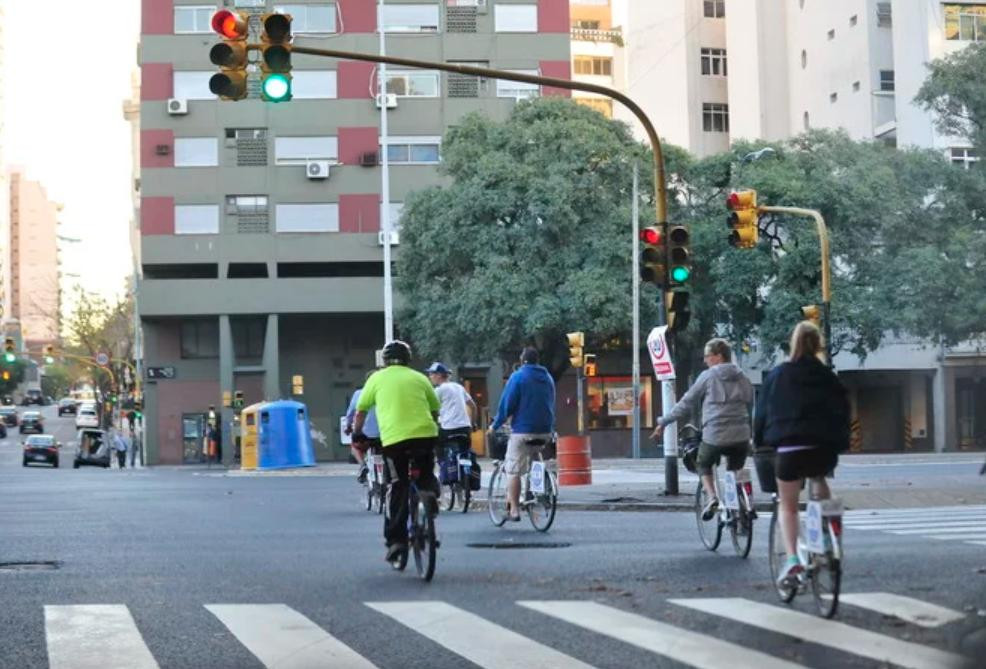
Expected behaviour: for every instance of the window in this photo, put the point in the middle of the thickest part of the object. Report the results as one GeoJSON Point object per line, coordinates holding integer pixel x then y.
{"type": "Point", "coordinates": [200, 338]}
{"type": "Point", "coordinates": [965, 22]}
{"type": "Point", "coordinates": [319, 18]}
{"type": "Point", "coordinates": [715, 117]}
{"type": "Point", "coordinates": [517, 89]}
{"type": "Point", "coordinates": [246, 205]}
{"type": "Point", "coordinates": [609, 402]}
{"type": "Point", "coordinates": [886, 80]}
{"type": "Point", "coordinates": [196, 219]}
{"type": "Point", "coordinates": [395, 210]}
{"type": "Point", "coordinates": [964, 157]}
{"type": "Point", "coordinates": [312, 84]}
{"type": "Point", "coordinates": [805, 121]}
{"type": "Point", "coordinates": [715, 9]}
{"type": "Point", "coordinates": [853, 20]}
{"type": "Point", "coordinates": [194, 19]}
{"type": "Point", "coordinates": [714, 62]}
{"type": "Point", "coordinates": [833, 97]}
{"type": "Point", "coordinates": [831, 34]}
{"type": "Point", "coordinates": [602, 105]}
{"type": "Point", "coordinates": [855, 87]}
{"type": "Point", "coordinates": [804, 59]}
{"type": "Point", "coordinates": [307, 217]}
{"type": "Point", "coordinates": [414, 150]}
{"type": "Point", "coordinates": [246, 134]}
{"type": "Point", "coordinates": [594, 65]}
{"type": "Point", "coordinates": [192, 85]}
{"type": "Point", "coordinates": [297, 150]}
{"type": "Point", "coordinates": [584, 24]}
{"type": "Point", "coordinates": [413, 83]}
{"type": "Point", "coordinates": [248, 335]}
{"type": "Point", "coordinates": [884, 15]}
{"type": "Point", "coordinates": [408, 18]}
{"type": "Point", "coordinates": [515, 18]}
{"type": "Point", "coordinates": [196, 152]}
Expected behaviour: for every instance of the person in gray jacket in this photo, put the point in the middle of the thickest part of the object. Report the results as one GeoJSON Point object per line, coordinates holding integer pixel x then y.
{"type": "Point", "coordinates": [726, 397]}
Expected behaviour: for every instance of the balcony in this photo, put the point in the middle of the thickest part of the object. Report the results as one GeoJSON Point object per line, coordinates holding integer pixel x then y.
{"type": "Point", "coordinates": [614, 35]}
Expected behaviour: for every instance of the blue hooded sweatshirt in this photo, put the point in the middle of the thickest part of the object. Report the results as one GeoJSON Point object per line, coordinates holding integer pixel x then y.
{"type": "Point", "coordinates": [529, 401]}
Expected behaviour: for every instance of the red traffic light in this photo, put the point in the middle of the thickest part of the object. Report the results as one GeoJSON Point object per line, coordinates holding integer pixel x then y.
{"type": "Point", "coordinates": [230, 25]}
{"type": "Point", "coordinates": [650, 235]}
{"type": "Point", "coordinates": [744, 199]}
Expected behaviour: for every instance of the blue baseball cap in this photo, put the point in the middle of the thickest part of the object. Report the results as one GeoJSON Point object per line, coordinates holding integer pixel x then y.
{"type": "Point", "coordinates": [437, 368]}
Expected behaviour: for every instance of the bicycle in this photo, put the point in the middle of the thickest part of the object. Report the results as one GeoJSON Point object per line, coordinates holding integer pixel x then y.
{"type": "Point", "coordinates": [458, 458]}
{"type": "Point", "coordinates": [735, 495]}
{"type": "Point", "coordinates": [422, 538]}
{"type": "Point", "coordinates": [375, 486]}
{"type": "Point", "coordinates": [819, 550]}
{"type": "Point", "coordinates": [538, 493]}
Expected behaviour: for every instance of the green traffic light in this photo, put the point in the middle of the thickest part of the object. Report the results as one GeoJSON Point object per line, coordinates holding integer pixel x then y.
{"type": "Point", "coordinates": [680, 274]}
{"type": "Point", "coordinates": [9, 357]}
{"type": "Point", "coordinates": [277, 88]}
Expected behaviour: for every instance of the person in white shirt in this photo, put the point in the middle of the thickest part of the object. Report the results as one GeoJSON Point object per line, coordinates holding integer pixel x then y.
{"type": "Point", "coordinates": [458, 411]}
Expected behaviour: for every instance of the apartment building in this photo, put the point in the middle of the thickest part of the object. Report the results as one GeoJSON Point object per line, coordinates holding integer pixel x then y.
{"type": "Point", "coordinates": [260, 247]}
{"type": "Point", "coordinates": [598, 54]}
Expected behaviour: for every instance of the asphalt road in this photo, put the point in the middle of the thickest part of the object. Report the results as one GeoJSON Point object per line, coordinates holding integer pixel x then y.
{"type": "Point", "coordinates": [171, 568]}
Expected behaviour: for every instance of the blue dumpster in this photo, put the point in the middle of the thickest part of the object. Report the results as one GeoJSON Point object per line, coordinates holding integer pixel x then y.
{"type": "Point", "coordinates": [285, 438]}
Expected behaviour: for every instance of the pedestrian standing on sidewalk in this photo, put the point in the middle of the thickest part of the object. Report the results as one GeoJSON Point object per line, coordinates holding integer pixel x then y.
{"type": "Point", "coordinates": [120, 446]}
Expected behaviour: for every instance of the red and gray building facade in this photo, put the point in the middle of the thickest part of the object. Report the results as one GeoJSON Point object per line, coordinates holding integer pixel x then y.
{"type": "Point", "coordinates": [254, 267]}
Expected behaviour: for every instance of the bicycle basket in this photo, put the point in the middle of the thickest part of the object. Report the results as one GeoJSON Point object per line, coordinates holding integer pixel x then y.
{"type": "Point", "coordinates": [498, 445]}
{"type": "Point", "coordinates": [689, 454]}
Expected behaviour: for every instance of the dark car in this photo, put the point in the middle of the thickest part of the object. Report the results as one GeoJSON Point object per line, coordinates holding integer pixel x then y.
{"type": "Point", "coordinates": [9, 416]}
{"type": "Point", "coordinates": [31, 421]}
{"type": "Point", "coordinates": [67, 405]}
{"type": "Point", "coordinates": [33, 396]}
{"type": "Point", "coordinates": [92, 448]}
{"type": "Point", "coordinates": [41, 448]}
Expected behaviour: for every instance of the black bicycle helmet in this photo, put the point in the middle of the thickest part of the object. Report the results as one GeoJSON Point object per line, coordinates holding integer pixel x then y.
{"type": "Point", "coordinates": [397, 353]}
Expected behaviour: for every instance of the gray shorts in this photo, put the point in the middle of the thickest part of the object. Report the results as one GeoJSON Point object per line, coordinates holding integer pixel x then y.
{"type": "Point", "coordinates": [518, 458]}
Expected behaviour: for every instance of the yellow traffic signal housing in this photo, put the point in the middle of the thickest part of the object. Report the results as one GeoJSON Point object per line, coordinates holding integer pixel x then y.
{"type": "Point", "coordinates": [812, 313]}
{"type": "Point", "coordinates": [653, 256]}
{"type": "Point", "coordinates": [230, 83]}
{"type": "Point", "coordinates": [576, 341]}
{"type": "Point", "coordinates": [744, 220]}
{"type": "Point", "coordinates": [589, 363]}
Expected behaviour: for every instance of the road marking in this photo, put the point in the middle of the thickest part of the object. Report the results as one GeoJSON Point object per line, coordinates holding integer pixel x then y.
{"type": "Point", "coordinates": [906, 608]}
{"type": "Point", "coordinates": [917, 511]}
{"type": "Point", "coordinates": [922, 527]}
{"type": "Point", "coordinates": [476, 639]}
{"type": "Point", "coordinates": [825, 632]}
{"type": "Point", "coordinates": [281, 637]}
{"type": "Point", "coordinates": [956, 537]}
{"type": "Point", "coordinates": [950, 518]}
{"type": "Point", "coordinates": [942, 530]}
{"type": "Point", "coordinates": [977, 543]}
{"type": "Point", "coordinates": [669, 641]}
{"type": "Point", "coordinates": [95, 636]}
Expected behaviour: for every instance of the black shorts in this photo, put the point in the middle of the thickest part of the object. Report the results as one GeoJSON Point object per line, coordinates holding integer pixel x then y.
{"type": "Point", "coordinates": [709, 455]}
{"type": "Point", "coordinates": [805, 463]}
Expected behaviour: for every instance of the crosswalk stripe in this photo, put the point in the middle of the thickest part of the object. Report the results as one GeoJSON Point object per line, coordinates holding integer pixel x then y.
{"type": "Point", "coordinates": [954, 537]}
{"type": "Point", "coordinates": [906, 521]}
{"type": "Point", "coordinates": [906, 608]}
{"type": "Point", "coordinates": [476, 639]}
{"type": "Point", "coordinates": [938, 530]}
{"type": "Point", "coordinates": [95, 636]}
{"type": "Point", "coordinates": [920, 526]}
{"type": "Point", "coordinates": [669, 641]}
{"type": "Point", "coordinates": [977, 543]}
{"type": "Point", "coordinates": [929, 510]}
{"type": "Point", "coordinates": [281, 637]}
{"type": "Point", "coordinates": [825, 632]}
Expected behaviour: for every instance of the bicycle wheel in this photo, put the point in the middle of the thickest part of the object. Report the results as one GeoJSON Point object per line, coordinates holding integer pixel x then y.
{"type": "Point", "coordinates": [497, 499]}
{"type": "Point", "coordinates": [366, 496]}
{"type": "Point", "coordinates": [710, 531]}
{"type": "Point", "coordinates": [381, 493]}
{"type": "Point", "coordinates": [466, 494]}
{"type": "Point", "coordinates": [423, 541]}
{"type": "Point", "coordinates": [448, 496]}
{"type": "Point", "coordinates": [778, 556]}
{"type": "Point", "coordinates": [826, 580]}
{"type": "Point", "coordinates": [542, 509]}
{"type": "Point", "coordinates": [741, 528]}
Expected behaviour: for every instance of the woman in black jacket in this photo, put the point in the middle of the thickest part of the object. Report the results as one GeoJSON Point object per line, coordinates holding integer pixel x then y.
{"type": "Point", "coordinates": [804, 414]}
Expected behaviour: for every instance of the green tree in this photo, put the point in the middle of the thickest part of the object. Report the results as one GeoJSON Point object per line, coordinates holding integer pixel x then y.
{"type": "Point", "coordinates": [530, 239]}
{"type": "Point", "coordinates": [955, 91]}
{"type": "Point", "coordinates": [98, 325]}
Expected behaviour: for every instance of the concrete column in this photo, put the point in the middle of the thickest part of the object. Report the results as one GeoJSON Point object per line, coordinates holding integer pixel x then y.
{"type": "Point", "coordinates": [939, 408]}
{"type": "Point", "coordinates": [272, 362]}
{"type": "Point", "coordinates": [227, 360]}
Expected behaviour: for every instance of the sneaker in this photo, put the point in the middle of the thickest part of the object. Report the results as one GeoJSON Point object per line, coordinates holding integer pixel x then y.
{"type": "Point", "coordinates": [395, 551]}
{"type": "Point", "coordinates": [710, 509]}
{"type": "Point", "coordinates": [789, 574]}
{"type": "Point", "coordinates": [363, 471]}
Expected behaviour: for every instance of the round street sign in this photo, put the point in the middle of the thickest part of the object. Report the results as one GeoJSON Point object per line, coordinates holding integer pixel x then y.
{"type": "Point", "coordinates": [102, 359]}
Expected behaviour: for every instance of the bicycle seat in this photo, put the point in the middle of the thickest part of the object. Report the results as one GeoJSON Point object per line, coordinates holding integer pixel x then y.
{"type": "Point", "coordinates": [535, 442]}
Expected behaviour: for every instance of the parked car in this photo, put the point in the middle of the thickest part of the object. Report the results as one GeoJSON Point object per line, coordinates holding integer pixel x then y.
{"type": "Point", "coordinates": [9, 416]}
{"type": "Point", "coordinates": [31, 421]}
{"type": "Point", "coordinates": [33, 396]}
{"type": "Point", "coordinates": [87, 417]}
{"type": "Point", "coordinates": [67, 405]}
{"type": "Point", "coordinates": [41, 448]}
{"type": "Point", "coordinates": [7, 400]}
{"type": "Point", "coordinates": [92, 448]}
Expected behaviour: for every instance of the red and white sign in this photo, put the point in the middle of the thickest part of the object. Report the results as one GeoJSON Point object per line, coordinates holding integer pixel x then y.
{"type": "Point", "coordinates": [660, 357]}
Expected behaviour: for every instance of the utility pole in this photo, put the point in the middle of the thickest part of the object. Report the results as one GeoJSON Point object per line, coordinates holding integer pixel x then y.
{"type": "Point", "coordinates": [635, 281]}
{"type": "Point", "coordinates": [385, 223]}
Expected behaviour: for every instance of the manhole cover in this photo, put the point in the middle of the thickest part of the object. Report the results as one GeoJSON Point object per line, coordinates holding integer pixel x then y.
{"type": "Point", "coordinates": [520, 544]}
{"type": "Point", "coordinates": [45, 565]}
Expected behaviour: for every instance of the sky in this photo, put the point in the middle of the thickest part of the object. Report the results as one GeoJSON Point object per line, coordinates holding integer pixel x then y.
{"type": "Point", "coordinates": [63, 107]}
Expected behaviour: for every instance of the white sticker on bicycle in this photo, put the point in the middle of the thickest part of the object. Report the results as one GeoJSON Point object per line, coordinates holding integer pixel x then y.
{"type": "Point", "coordinates": [814, 539]}
{"type": "Point", "coordinates": [731, 498]}
{"type": "Point", "coordinates": [465, 462]}
{"type": "Point", "coordinates": [537, 477]}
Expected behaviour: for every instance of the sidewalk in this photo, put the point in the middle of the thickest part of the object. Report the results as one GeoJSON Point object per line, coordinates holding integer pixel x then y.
{"type": "Point", "coordinates": [870, 481]}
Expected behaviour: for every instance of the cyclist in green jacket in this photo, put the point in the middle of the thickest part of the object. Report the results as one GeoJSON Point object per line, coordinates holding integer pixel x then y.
{"type": "Point", "coordinates": [407, 408]}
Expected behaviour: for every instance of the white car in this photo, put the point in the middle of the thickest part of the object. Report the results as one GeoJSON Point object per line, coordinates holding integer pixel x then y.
{"type": "Point", "coordinates": [86, 417]}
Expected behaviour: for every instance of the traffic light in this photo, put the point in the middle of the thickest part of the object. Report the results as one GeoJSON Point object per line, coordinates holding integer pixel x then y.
{"type": "Point", "coordinates": [275, 61]}
{"type": "Point", "coordinates": [297, 384]}
{"type": "Point", "coordinates": [138, 408]}
{"type": "Point", "coordinates": [6, 375]}
{"type": "Point", "coordinates": [49, 354]}
{"type": "Point", "coordinates": [576, 340]}
{"type": "Point", "coordinates": [9, 350]}
{"type": "Point", "coordinates": [230, 83]}
{"type": "Point", "coordinates": [653, 256]}
{"type": "Point", "coordinates": [743, 220]}
{"type": "Point", "coordinates": [589, 362]}
{"type": "Point", "coordinates": [680, 256]}
{"type": "Point", "coordinates": [812, 313]}
{"type": "Point", "coordinates": [678, 312]}
{"type": "Point", "coordinates": [238, 399]}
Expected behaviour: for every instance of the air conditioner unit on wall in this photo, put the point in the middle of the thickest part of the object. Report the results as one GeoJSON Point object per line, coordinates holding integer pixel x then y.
{"type": "Point", "coordinates": [317, 169]}
{"type": "Point", "coordinates": [177, 106]}
{"type": "Point", "coordinates": [395, 237]}
{"type": "Point", "coordinates": [391, 99]}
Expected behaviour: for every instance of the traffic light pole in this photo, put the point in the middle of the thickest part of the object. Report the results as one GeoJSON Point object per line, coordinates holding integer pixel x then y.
{"type": "Point", "coordinates": [823, 242]}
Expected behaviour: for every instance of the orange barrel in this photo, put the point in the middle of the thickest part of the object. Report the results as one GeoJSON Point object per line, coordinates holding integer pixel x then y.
{"type": "Point", "coordinates": [574, 461]}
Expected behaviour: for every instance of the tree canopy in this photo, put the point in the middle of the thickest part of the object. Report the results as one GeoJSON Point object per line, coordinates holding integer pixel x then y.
{"type": "Point", "coordinates": [955, 91]}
